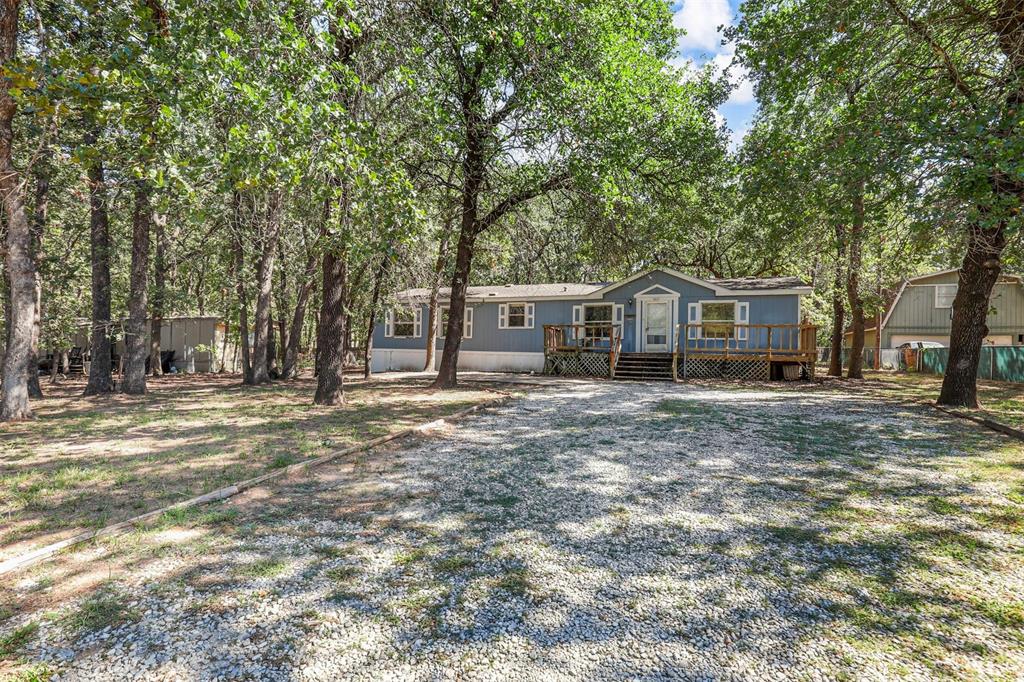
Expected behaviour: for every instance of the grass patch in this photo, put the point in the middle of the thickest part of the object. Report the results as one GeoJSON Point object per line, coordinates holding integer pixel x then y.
{"type": "Point", "coordinates": [263, 568]}
{"type": "Point", "coordinates": [942, 506]}
{"type": "Point", "coordinates": [412, 557]}
{"type": "Point", "coordinates": [453, 564]}
{"type": "Point", "coordinates": [15, 641]}
{"type": "Point", "coordinates": [515, 581]}
{"type": "Point", "coordinates": [332, 551]}
{"type": "Point", "coordinates": [1004, 518]}
{"type": "Point", "coordinates": [677, 408]}
{"type": "Point", "coordinates": [196, 516]}
{"type": "Point", "coordinates": [1005, 614]}
{"type": "Point", "coordinates": [38, 672]}
{"type": "Point", "coordinates": [794, 534]}
{"type": "Point", "coordinates": [106, 608]}
{"type": "Point", "coordinates": [342, 574]}
{"type": "Point", "coordinates": [947, 543]}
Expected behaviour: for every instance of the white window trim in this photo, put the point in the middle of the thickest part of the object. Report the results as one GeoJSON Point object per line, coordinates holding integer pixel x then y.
{"type": "Point", "coordinates": [417, 323]}
{"type": "Point", "coordinates": [735, 316]}
{"type": "Point", "coordinates": [939, 286]}
{"type": "Point", "coordinates": [467, 322]}
{"type": "Point", "coordinates": [528, 315]}
{"type": "Point", "coordinates": [611, 320]}
{"type": "Point", "coordinates": [693, 313]}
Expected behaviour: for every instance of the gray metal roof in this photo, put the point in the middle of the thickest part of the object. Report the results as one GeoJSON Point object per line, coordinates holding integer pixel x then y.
{"type": "Point", "coordinates": [512, 292]}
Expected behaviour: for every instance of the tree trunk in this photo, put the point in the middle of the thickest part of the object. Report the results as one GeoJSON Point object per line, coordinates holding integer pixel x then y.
{"type": "Point", "coordinates": [978, 274]}
{"type": "Point", "coordinates": [240, 290]}
{"type": "Point", "coordinates": [447, 375]}
{"type": "Point", "coordinates": [271, 348]}
{"type": "Point", "coordinates": [473, 169]}
{"type": "Point", "coordinates": [100, 380]}
{"type": "Point", "coordinates": [156, 324]}
{"type": "Point", "coordinates": [290, 366]}
{"type": "Point", "coordinates": [855, 368]}
{"type": "Point", "coordinates": [290, 370]}
{"type": "Point", "coordinates": [20, 266]}
{"type": "Point", "coordinates": [264, 287]}
{"type": "Point", "coordinates": [378, 282]}
{"type": "Point", "coordinates": [136, 341]}
{"type": "Point", "coordinates": [435, 288]}
{"type": "Point", "coordinates": [42, 202]}
{"type": "Point", "coordinates": [331, 332]}
{"type": "Point", "coordinates": [835, 360]}
{"type": "Point", "coordinates": [330, 344]}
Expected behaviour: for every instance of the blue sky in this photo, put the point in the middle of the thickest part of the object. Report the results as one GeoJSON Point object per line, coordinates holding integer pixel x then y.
{"type": "Point", "coordinates": [702, 44]}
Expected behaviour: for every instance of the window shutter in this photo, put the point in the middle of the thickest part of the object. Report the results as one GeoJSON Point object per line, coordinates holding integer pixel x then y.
{"type": "Point", "coordinates": [529, 316]}
{"type": "Point", "coordinates": [742, 317]}
{"type": "Point", "coordinates": [467, 324]}
{"type": "Point", "coordinates": [389, 324]}
{"type": "Point", "coordinates": [503, 316]}
{"type": "Point", "coordinates": [577, 318]}
{"type": "Point", "coordinates": [417, 323]}
{"type": "Point", "coordinates": [693, 317]}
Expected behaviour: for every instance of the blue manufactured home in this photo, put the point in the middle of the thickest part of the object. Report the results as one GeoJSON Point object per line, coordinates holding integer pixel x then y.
{"type": "Point", "coordinates": [635, 326]}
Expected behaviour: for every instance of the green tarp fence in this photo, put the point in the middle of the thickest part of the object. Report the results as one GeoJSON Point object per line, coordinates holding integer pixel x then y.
{"type": "Point", "coordinates": [1001, 363]}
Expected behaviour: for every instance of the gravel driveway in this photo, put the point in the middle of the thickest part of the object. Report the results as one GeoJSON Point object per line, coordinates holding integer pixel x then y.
{"type": "Point", "coordinates": [598, 531]}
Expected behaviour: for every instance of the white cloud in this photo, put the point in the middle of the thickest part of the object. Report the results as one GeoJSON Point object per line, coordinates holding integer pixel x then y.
{"type": "Point", "coordinates": [738, 76]}
{"type": "Point", "coordinates": [701, 19]}
{"type": "Point", "coordinates": [702, 44]}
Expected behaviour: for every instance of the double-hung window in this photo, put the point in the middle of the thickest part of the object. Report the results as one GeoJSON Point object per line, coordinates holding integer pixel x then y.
{"type": "Point", "coordinates": [718, 318]}
{"type": "Point", "coordinates": [944, 295]}
{"type": "Point", "coordinates": [403, 322]}
{"type": "Point", "coordinates": [515, 316]}
{"type": "Point", "coordinates": [597, 320]}
{"type": "Point", "coordinates": [467, 323]}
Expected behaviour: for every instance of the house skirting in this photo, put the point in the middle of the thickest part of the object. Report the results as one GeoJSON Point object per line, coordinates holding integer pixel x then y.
{"type": "Point", "coordinates": [411, 360]}
{"type": "Point", "coordinates": [580, 364]}
{"type": "Point", "coordinates": [750, 369]}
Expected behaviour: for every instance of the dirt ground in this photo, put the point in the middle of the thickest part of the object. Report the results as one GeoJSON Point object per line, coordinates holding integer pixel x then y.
{"type": "Point", "coordinates": [88, 462]}
{"type": "Point", "coordinates": [602, 530]}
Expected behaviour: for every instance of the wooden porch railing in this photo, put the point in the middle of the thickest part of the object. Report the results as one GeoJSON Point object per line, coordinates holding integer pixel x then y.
{"type": "Point", "coordinates": [584, 338]}
{"type": "Point", "coordinates": [770, 342]}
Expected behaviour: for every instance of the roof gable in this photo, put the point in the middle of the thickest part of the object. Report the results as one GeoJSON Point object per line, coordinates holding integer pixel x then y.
{"type": "Point", "coordinates": [668, 271]}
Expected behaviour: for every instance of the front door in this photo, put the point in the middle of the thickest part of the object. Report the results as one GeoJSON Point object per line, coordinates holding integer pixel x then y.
{"type": "Point", "coordinates": [655, 326]}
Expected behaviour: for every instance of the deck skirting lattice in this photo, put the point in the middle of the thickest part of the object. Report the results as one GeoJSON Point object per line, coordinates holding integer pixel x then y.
{"type": "Point", "coordinates": [576, 364]}
{"type": "Point", "coordinates": [714, 368]}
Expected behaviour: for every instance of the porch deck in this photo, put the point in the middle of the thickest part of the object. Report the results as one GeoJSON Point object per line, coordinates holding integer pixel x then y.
{"type": "Point", "coordinates": [581, 349]}
{"type": "Point", "coordinates": [700, 351]}
{"type": "Point", "coordinates": [745, 351]}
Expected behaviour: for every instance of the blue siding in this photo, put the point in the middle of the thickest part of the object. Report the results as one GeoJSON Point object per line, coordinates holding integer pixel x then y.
{"type": "Point", "coordinates": [414, 343]}
{"type": "Point", "coordinates": [771, 309]}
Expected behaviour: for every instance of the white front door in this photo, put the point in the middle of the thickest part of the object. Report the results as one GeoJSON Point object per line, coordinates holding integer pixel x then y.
{"type": "Point", "coordinates": [655, 326]}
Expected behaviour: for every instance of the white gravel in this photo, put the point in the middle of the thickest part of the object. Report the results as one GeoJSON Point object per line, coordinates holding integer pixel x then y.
{"type": "Point", "coordinates": [594, 532]}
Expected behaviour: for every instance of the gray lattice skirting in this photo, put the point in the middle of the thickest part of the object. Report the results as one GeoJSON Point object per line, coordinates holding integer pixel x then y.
{"type": "Point", "coordinates": [705, 368]}
{"type": "Point", "coordinates": [750, 370]}
{"type": "Point", "coordinates": [577, 364]}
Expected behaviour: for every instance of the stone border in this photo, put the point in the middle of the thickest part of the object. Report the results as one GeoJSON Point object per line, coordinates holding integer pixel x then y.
{"type": "Point", "coordinates": [37, 555]}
